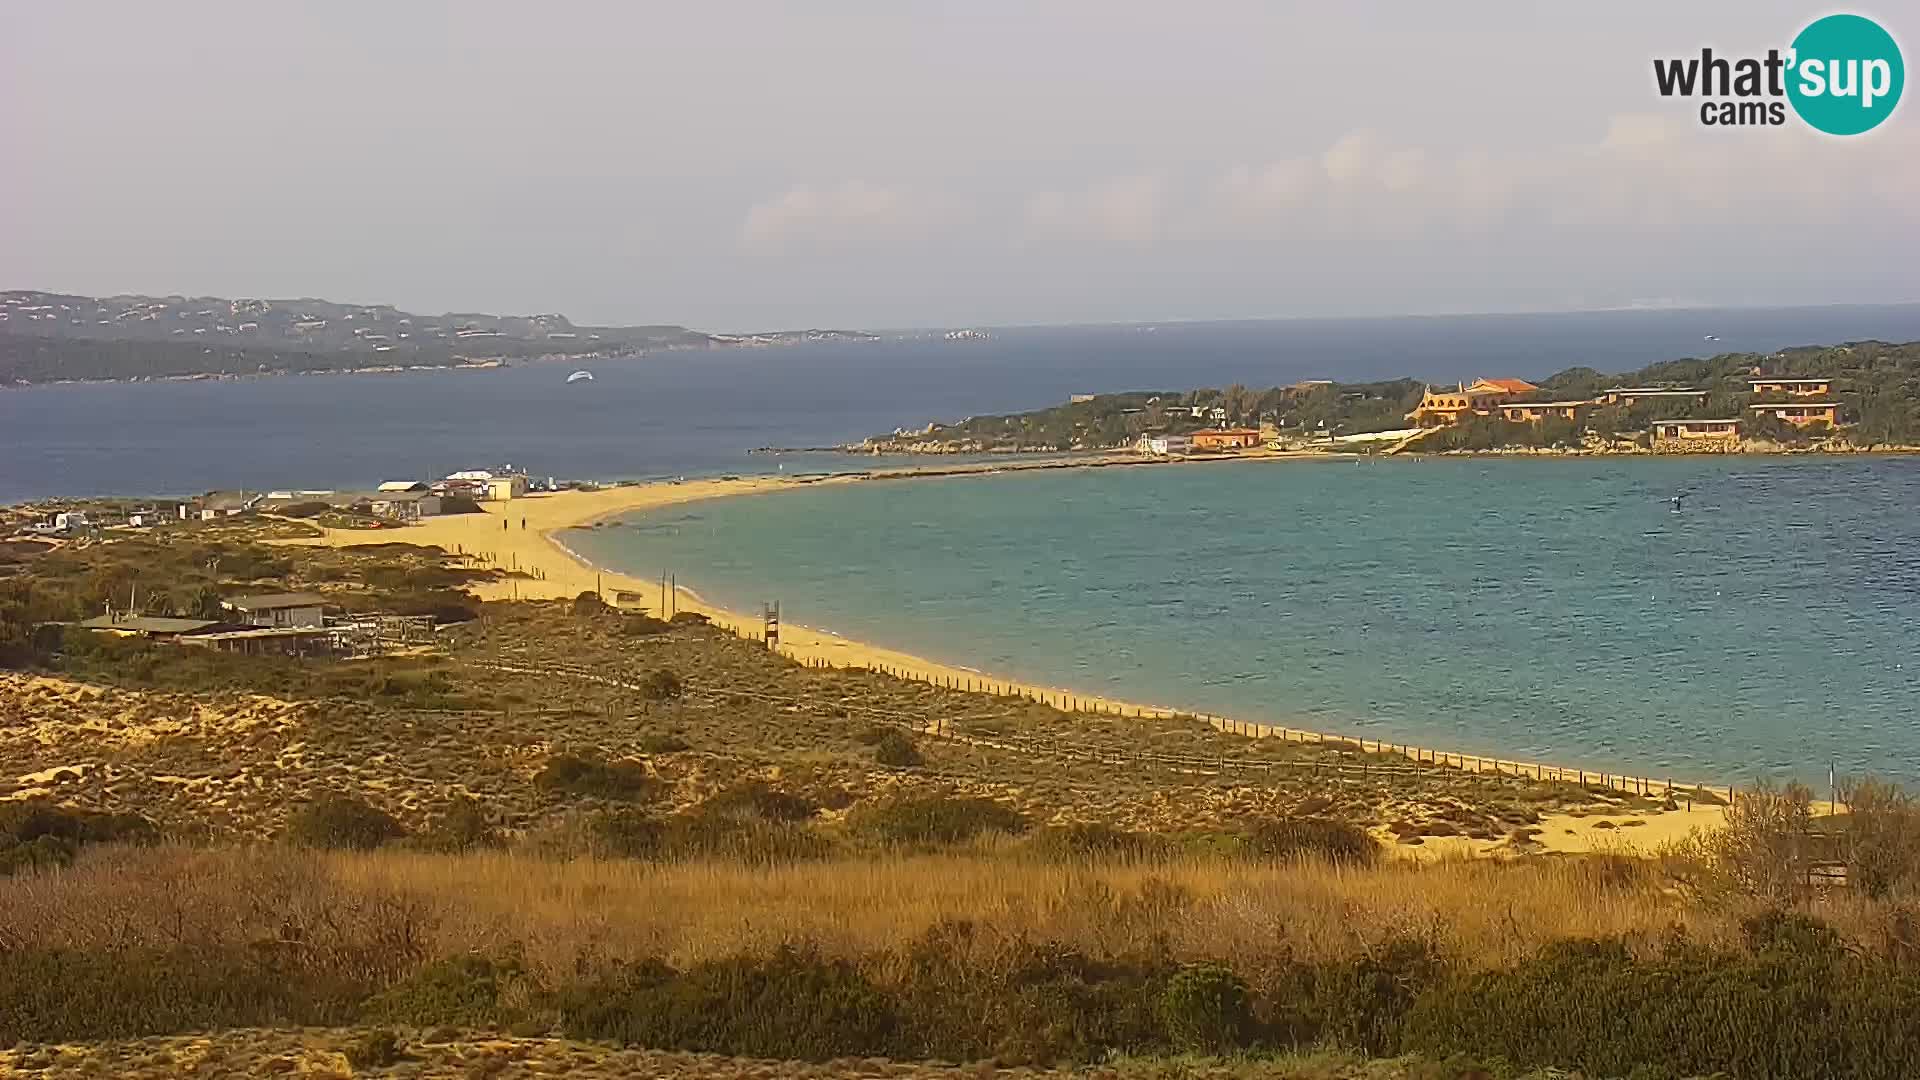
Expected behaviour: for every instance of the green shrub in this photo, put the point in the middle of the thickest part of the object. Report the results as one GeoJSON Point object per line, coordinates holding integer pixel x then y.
{"type": "Point", "coordinates": [465, 991]}
{"type": "Point", "coordinates": [688, 618]}
{"type": "Point", "coordinates": [934, 819]}
{"type": "Point", "coordinates": [895, 750]}
{"type": "Point", "coordinates": [60, 995]}
{"type": "Point", "coordinates": [587, 605]}
{"type": "Point", "coordinates": [37, 835]}
{"type": "Point", "coordinates": [1092, 841]}
{"type": "Point", "coordinates": [1334, 841]}
{"type": "Point", "coordinates": [342, 821]}
{"type": "Point", "coordinates": [790, 1005]}
{"type": "Point", "coordinates": [1207, 1010]}
{"type": "Point", "coordinates": [591, 775]}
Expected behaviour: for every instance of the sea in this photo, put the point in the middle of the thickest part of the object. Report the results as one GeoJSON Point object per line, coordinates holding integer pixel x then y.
{"type": "Point", "coordinates": [1551, 610]}
{"type": "Point", "coordinates": [1558, 609]}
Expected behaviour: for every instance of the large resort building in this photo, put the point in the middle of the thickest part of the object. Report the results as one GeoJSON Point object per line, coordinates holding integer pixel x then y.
{"type": "Point", "coordinates": [1439, 407]}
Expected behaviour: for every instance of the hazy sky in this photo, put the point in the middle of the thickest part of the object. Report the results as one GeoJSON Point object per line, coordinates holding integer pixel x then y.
{"type": "Point", "coordinates": [745, 166]}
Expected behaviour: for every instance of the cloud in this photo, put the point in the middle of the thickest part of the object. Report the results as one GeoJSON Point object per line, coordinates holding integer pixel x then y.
{"type": "Point", "coordinates": [1641, 170]}
{"type": "Point", "coordinates": [848, 214]}
{"type": "Point", "coordinates": [1125, 210]}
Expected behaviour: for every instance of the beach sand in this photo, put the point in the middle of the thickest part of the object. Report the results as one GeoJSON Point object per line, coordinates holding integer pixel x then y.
{"type": "Point", "coordinates": [529, 535]}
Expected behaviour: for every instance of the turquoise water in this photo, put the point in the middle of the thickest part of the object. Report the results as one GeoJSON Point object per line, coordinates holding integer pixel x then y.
{"type": "Point", "coordinates": [1548, 609]}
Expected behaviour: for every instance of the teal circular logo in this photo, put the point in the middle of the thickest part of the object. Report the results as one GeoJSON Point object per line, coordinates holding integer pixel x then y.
{"type": "Point", "coordinates": [1845, 74]}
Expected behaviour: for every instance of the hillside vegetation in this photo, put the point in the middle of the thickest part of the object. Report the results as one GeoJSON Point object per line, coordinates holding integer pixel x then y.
{"type": "Point", "coordinates": [1876, 384]}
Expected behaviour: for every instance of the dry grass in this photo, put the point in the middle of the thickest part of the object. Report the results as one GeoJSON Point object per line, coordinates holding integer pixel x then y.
{"type": "Point", "coordinates": [324, 1053]}
{"type": "Point", "coordinates": [557, 914]}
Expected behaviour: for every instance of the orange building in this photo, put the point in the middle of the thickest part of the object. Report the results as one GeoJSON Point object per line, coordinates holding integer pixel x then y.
{"type": "Point", "coordinates": [1804, 413]}
{"type": "Point", "coordinates": [1792, 387]}
{"type": "Point", "coordinates": [1536, 411]}
{"type": "Point", "coordinates": [1226, 439]}
{"type": "Point", "coordinates": [1691, 430]}
{"type": "Point", "coordinates": [1630, 395]}
{"type": "Point", "coordinates": [1439, 407]}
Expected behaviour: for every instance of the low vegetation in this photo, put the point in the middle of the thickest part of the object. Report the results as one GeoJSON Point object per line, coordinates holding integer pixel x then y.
{"type": "Point", "coordinates": [570, 821]}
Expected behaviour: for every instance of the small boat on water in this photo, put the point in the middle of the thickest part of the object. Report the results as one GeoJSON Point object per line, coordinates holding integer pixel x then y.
{"type": "Point", "coordinates": [580, 376]}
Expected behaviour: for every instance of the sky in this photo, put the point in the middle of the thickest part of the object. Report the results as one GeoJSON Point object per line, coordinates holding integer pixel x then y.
{"type": "Point", "coordinates": [747, 166]}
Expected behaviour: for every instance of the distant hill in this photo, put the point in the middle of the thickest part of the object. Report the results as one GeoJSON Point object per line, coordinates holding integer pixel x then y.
{"type": "Point", "coordinates": [52, 337]}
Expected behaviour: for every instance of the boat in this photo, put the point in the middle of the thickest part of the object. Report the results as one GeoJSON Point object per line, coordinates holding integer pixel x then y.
{"type": "Point", "coordinates": [580, 376]}
{"type": "Point", "coordinates": [1713, 337]}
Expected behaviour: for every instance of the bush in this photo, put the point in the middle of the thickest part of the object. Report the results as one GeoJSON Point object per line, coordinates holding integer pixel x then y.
{"type": "Point", "coordinates": [36, 835]}
{"type": "Point", "coordinates": [1092, 841]}
{"type": "Point", "coordinates": [753, 799]}
{"type": "Point", "coordinates": [661, 685]}
{"type": "Point", "coordinates": [466, 991]}
{"type": "Point", "coordinates": [934, 819]}
{"type": "Point", "coordinates": [791, 1005]}
{"type": "Point", "coordinates": [895, 750]}
{"type": "Point", "coordinates": [342, 821]}
{"type": "Point", "coordinates": [591, 775]}
{"type": "Point", "coordinates": [304, 509]}
{"type": "Point", "coordinates": [463, 826]}
{"type": "Point", "coordinates": [624, 832]}
{"type": "Point", "coordinates": [635, 624]}
{"type": "Point", "coordinates": [587, 604]}
{"type": "Point", "coordinates": [1334, 841]}
{"type": "Point", "coordinates": [1206, 1010]}
{"type": "Point", "coordinates": [375, 1049]}
{"type": "Point", "coordinates": [663, 744]}
{"type": "Point", "coordinates": [688, 618]}
{"type": "Point", "coordinates": [748, 840]}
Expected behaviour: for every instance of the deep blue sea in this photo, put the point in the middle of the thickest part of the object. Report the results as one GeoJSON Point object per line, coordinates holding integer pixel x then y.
{"type": "Point", "coordinates": [694, 413]}
{"type": "Point", "coordinates": [1554, 610]}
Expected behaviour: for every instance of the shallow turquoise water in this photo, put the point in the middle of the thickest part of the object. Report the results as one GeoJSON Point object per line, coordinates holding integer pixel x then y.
{"type": "Point", "coordinates": [1552, 609]}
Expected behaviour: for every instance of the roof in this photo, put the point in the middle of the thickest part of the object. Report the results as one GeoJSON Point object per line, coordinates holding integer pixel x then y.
{"type": "Point", "coordinates": [1785, 379]}
{"type": "Point", "coordinates": [401, 485]}
{"type": "Point", "coordinates": [147, 624]}
{"type": "Point", "coordinates": [1545, 404]}
{"type": "Point", "coordinates": [1729, 420]}
{"type": "Point", "coordinates": [1796, 405]}
{"type": "Point", "coordinates": [1227, 431]}
{"type": "Point", "coordinates": [1651, 391]}
{"type": "Point", "coordinates": [276, 601]}
{"type": "Point", "coordinates": [1511, 386]}
{"type": "Point", "coordinates": [265, 632]}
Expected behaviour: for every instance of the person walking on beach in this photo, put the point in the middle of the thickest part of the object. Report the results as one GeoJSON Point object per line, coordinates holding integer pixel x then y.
{"type": "Point", "coordinates": [523, 524]}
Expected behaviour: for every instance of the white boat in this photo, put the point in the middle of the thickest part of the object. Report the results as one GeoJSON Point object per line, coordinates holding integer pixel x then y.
{"type": "Point", "coordinates": [580, 376]}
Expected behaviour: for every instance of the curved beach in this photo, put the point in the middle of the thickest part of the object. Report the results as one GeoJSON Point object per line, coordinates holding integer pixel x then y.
{"type": "Point", "coordinates": [528, 535]}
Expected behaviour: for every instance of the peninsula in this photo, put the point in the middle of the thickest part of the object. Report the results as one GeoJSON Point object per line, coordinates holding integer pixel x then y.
{"type": "Point", "coordinates": [1862, 395]}
{"type": "Point", "coordinates": [58, 337]}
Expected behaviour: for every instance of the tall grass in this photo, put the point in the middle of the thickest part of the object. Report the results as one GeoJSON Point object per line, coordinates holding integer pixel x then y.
{"type": "Point", "coordinates": [985, 953]}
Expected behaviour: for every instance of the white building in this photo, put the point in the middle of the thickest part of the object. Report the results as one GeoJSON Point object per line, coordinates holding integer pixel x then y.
{"type": "Point", "coordinates": [1163, 445]}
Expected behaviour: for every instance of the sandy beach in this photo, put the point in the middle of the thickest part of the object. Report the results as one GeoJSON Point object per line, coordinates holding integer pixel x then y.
{"type": "Point", "coordinates": [529, 535]}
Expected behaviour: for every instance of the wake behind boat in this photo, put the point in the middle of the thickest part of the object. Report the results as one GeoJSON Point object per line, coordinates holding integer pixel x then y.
{"type": "Point", "coordinates": [580, 376]}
